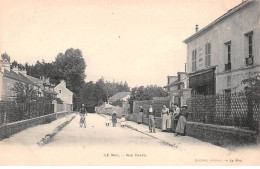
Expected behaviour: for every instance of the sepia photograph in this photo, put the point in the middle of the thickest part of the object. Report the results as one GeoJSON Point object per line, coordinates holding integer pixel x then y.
{"type": "Point", "coordinates": [129, 83]}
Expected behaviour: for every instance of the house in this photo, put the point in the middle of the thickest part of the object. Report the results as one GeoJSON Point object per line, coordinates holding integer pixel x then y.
{"type": "Point", "coordinates": [63, 93]}
{"type": "Point", "coordinates": [122, 96]}
{"type": "Point", "coordinates": [225, 52]}
{"type": "Point", "coordinates": [46, 88]}
{"type": "Point", "coordinates": [9, 77]}
{"type": "Point", "coordinates": [176, 86]}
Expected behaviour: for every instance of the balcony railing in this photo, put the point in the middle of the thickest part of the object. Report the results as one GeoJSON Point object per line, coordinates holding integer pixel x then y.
{"type": "Point", "coordinates": [228, 66]}
{"type": "Point", "coordinates": [250, 61]}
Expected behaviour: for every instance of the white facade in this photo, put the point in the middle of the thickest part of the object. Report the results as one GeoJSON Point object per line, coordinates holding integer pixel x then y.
{"type": "Point", "coordinates": [224, 45]}
{"type": "Point", "coordinates": [63, 93]}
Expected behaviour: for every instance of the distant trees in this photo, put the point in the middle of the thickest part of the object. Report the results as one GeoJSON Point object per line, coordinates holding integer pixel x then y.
{"type": "Point", "coordinates": [147, 93]}
{"type": "Point", "coordinates": [5, 56]}
{"type": "Point", "coordinates": [94, 94]}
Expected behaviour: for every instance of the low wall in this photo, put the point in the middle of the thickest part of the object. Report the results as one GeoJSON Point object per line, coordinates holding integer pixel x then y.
{"type": "Point", "coordinates": [158, 120]}
{"type": "Point", "coordinates": [62, 114]}
{"type": "Point", "coordinates": [220, 135]}
{"type": "Point", "coordinates": [9, 129]}
{"type": "Point", "coordinates": [215, 134]}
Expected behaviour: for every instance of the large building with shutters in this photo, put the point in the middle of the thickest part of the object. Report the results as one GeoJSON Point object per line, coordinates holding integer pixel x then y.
{"type": "Point", "coordinates": [225, 52]}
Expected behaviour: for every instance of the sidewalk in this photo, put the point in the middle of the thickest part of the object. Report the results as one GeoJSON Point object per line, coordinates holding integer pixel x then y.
{"type": "Point", "coordinates": [183, 143]}
{"type": "Point", "coordinates": [195, 148]}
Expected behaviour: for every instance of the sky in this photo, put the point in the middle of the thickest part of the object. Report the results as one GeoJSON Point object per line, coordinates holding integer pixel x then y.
{"type": "Point", "coordinates": [137, 41]}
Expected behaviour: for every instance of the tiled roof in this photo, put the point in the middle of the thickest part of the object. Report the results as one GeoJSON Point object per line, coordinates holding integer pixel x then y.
{"type": "Point", "coordinates": [171, 84]}
{"type": "Point", "coordinates": [35, 80]}
{"type": "Point", "coordinates": [18, 76]}
{"type": "Point", "coordinates": [119, 96]}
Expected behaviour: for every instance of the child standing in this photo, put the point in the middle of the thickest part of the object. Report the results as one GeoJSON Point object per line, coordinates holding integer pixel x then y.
{"type": "Point", "coordinates": [107, 121]}
{"type": "Point", "coordinates": [123, 121]}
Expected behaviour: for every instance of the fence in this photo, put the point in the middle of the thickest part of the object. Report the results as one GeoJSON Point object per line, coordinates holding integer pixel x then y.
{"type": "Point", "coordinates": [12, 111]}
{"type": "Point", "coordinates": [238, 110]}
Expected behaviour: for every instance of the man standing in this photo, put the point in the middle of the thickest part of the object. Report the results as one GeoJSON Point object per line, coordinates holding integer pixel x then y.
{"type": "Point", "coordinates": [83, 113]}
{"type": "Point", "coordinates": [151, 119]}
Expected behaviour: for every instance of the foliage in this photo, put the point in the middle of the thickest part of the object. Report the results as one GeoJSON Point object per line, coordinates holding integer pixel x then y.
{"type": "Point", "coordinates": [24, 92]}
{"type": "Point", "coordinates": [95, 94]}
{"type": "Point", "coordinates": [5, 56]}
{"type": "Point", "coordinates": [16, 64]}
{"type": "Point", "coordinates": [252, 87]}
{"type": "Point", "coordinates": [147, 93]}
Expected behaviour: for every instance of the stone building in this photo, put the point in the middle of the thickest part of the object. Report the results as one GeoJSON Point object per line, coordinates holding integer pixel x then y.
{"type": "Point", "coordinates": [65, 95]}
{"type": "Point", "coordinates": [9, 77]}
{"type": "Point", "coordinates": [226, 51]}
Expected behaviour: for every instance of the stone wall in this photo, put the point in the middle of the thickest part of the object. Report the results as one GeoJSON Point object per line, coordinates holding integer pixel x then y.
{"type": "Point", "coordinates": [156, 103]}
{"type": "Point", "coordinates": [220, 135]}
{"type": "Point", "coordinates": [9, 129]}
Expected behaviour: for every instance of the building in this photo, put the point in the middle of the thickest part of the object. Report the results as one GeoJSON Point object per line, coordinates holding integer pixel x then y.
{"type": "Point", "coordinates": [63, 93]}
{"type": "Point", "coordinates": [122, 96]}
{"type": "Point", "coordinates": [176, 88]}
{"type": "Point", "coordinates": [9, 77]}
{"type": "Point", "coordinates": [226, 51]}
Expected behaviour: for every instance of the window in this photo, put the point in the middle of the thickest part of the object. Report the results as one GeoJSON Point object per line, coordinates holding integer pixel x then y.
{"type": "Point", "coordinates": [249, 49]}
{"type": "Point", "coordinates": [194, 60]}
{"type": "Point", "coordinates": [207, 55]}
{"type": "Point", "coordinates": [60, 91]}
{"type": "Point", "coordinates": [228, 80]}
{"type": "Point", "coordinates": [228, 55]}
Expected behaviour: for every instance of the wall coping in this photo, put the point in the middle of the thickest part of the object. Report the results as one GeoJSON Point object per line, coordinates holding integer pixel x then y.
{"type": "Point", "coordinates": [223, 127]}
{"type": "Point", "coordinates": [22, 121]}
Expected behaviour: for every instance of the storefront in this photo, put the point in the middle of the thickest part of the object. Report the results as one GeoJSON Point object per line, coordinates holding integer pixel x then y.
{"type": "Point", "coordinates": [203, 82]}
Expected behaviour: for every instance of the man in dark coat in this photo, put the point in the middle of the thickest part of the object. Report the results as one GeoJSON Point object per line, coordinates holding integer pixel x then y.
{"type": "Point", "coordinates": [83, 113]}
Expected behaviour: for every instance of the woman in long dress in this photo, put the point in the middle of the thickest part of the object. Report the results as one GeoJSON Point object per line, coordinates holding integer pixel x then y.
{"type": "Point", "coordinates": [140, 115]}
{"type": "Point", "coordinates": [164, 115]}
{"type": "Point", "coordinates": [180, 129]}
{"type": "Point", "coordinates": [175, 117]}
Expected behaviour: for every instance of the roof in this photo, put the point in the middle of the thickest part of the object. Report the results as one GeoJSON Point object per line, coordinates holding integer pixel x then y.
{"type": "Point", "coordinates": [171, 84]}
{"type": "Point", "coordinates": [119, 95]}
{"type": "Point", "coordinates": [218, 20]}
{"type": "Point", "coordinates": [18, 76]}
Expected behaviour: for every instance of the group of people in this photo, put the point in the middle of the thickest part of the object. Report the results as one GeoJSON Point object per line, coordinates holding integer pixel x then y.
{"type": "Point", "coordinates": [114, 120]}
{"type": "Point", "coordinates": [83, 114]}
{"type": "Point", "coordinates": [173, 119]}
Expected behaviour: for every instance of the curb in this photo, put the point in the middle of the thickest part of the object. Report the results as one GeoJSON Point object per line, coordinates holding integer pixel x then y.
{"type": "Point", "coordinates": [49, 137]}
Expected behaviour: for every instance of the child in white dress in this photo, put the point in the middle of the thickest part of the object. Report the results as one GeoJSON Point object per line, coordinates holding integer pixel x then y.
{"type": "Point", "coordinates": [108, 120]}
{"type": "Point", "coordinates": [123, 123]}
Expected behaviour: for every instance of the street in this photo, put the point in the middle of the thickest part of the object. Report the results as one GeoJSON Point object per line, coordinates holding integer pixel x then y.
{"type": "Point", "coordinates": [101, 145]}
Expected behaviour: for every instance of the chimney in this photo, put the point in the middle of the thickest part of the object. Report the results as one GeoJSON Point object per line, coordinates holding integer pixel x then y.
{"type": "Point", "coordinates": [5, 64]}
{"type": "Point", "coordinates": [15, 69]}
{"type": "Point", "coordinates": [197, 28]}
{"type": "Point", "coordinates": [63, 82]}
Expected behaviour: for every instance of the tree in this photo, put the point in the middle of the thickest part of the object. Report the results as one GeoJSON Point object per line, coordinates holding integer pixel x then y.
{"type": "Point", "coordinates": [252, 92]}
{"type": "Point", "coordinates": [5, 56]}
{"type": "Point", "coordinates": [24, 92]}
{"type": "Point", "coordinates": [147, 93]}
